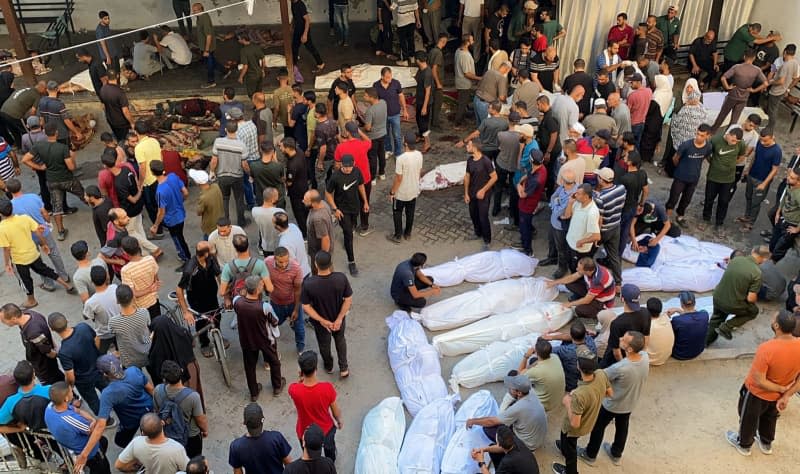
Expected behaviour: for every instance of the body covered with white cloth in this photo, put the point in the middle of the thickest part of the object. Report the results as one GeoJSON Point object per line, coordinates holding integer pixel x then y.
{"type": "Point", "coordinates": [381, 438]}
{"type": "Point", "coordinates": [483, 267]}
{"type": "Point", "coordinates": [457, 457]}
{"type": "Point", "coordinates": [427, 438]}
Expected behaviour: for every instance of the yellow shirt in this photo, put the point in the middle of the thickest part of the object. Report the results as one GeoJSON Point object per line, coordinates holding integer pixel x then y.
{"type": "Point", "coordinates": [15, 233]}
{"type": "Point", "coordinates": [146, 151]}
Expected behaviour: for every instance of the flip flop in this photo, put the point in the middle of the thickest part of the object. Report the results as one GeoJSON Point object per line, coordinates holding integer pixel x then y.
{"type": "Point", "coordinates": [47, 288]}
{"type": "Point", "coordinates": [344, 374]}
{"type": "Point", "coordinates": [27, 306]}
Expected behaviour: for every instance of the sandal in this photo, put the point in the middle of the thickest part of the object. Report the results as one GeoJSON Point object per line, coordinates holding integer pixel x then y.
{"type": "Point", "coordinates": [47, 287]}
{"type": "Point", "coordinates": [344, 374]}
{"type": "Point", "coordinates": [743, 220]}
{"type": "Point", "coordinates": [72, 290]}
{"type": "Point", "coordinates": [207, 352]}
{"type": "Point", "coordinates": [29, 306]}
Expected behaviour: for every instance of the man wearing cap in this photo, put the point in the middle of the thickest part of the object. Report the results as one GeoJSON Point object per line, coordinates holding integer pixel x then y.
{"type": "Point", "coordinates": [346, 197]}
{"type": "Point", "coordinates": [228, 164]}
{"type": "Point", "coordinates": [478, 182]}
{"type": "Point", "coordinates": [592, 287]}
{"type": "Point", "coordinates": [633, 318]}
{"type": "Point", "coordinates": [690, 327]}
{"type": "Point", "coordinates": [737, 294]}
{"type": "Point", "coordinates": [525, 415]}
{"type": "Point", "coordinates": [638, 102]}
{"type": "Point", "coordinates": [358, 144]}
{"type": "Point", "coordinates": [209, 202]}
{"type": "Point", "coordinates": [311, 461]}
{"type": "Point", "coordinates": [405, 189]}
{"type": "Point", "coordinates": [258, 450]}
{"type": "Point", "coordinates": [610, 200]}
{"type": "Point", "coordinates": [582, 408]}
{"type": "Point", "coordinates": [600, 120]}
{"type": "Point", "coordinates": [530, 190]}
{"type": "Point", "coordinates": [627, 378]}
{"type": "Point", "coordinates": [506, 165]}
{"type": "Point", "coordinates": [129, 393]}
{"type": "Point", "coordinates": [670, 27]}
{"type": "Point", "coordinates": [52, 109]}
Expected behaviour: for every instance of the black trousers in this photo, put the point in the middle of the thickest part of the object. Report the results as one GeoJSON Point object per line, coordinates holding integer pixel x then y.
{"type": "Point", "coordinates": [99, 463]}
{"type": "Point", "coordinates": [364, 216]}
{"type": "Point", "coordinates": [16, 129]}
{"type": "Point", "coordinates": [233, 185]}
{"type": "Point", "coordinates": [44, 191]}
{"type": "Point", "coordinates": [300, 212]}
{"type": "Point", "coordinates": [194, 446]}
{"type": "Point", "coordinates": [377, 157]}
{"type": "Point", "coordinates": [348, 223]}
{"type": "Point", "coordinates": [479, 214]}
{"type": "Point", "coordinates": [708, 69]}
{"type": "Point", "coordinates": [40, 268]}
{"type": "Point", "coordinates": [562, 251]}
{"type": "Point", "coordinates": [621, 421]}
{"type": "Point", "coordinates": [683, 191]}
{"type": "Point", "coordinates": [123, 437]}
{"type": "Point", "coordinates": [756, 416]}
{"type": "Point", "coordinates": [503, 185]}
{"type": "Point", "coordinates": [250, 361]}
{"type": "Point", "coordinates": [406, 36]}
{"type": "Point", "coordinates": [610, 240]}
{"type": "Point", "coordinates": [781, 240]}
{"type": "Point", "coordinates": [154, 310]}
{"type": "Point", "coordinates": [569, 449]}
{"type": "Point", "coordinates": [423, 120]}
{"type": "Point", "coordinates": [464, 98]}
{"type": "Point", "coordinates": [589, 310]}
{"type": "Point", "coordinates": [296, 36]}
{"type": "Point", "coordinates": [176, 232]}
{"type": "Point", "coordinates": [182, 8]}
{"type": "Point", "coordinates": [436, 109]}
{"type": "Point", "coordinates": [385, 37]}
{"type": "Point", "coordinates": [398, 209]}
{"type": "Point", "coordinates": [407, 302]}
{"type": "Point", "coordinates": [716, 190]}
{"type": "Point", "coordinates": [324, 342]}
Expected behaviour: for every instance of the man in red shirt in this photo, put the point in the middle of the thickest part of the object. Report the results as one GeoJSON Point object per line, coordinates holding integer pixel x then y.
{"type": "Point", "coordinates": [539, 39]}
{"type": "Point", "coordinates": [622, 33]}
{"type": "Point", "coordinates": [315, 402]}
{"type": "Point", "coordinates": [357, 144]}
{"type": "Point", "coordinates": [287, 281]}
{"type": "Point", "coordinates": [593, 150]}
{"type": "Point", "coordinates": [111, 157]}
{"type": "Point", "coordinates": [530, 190]}
{"type": "Point", "coordinates": [592, 287]}
{"type": "Point", "coordinates": [638, 103]}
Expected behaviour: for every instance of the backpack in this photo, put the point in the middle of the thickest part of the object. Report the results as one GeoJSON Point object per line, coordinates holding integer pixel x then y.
{"type": "Point", "coordinates": [238, 276]}
{"type": "Point", "coordinates": [175, 426]}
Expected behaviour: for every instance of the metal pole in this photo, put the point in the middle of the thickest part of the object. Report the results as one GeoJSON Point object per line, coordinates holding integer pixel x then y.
{"type": "Point", "coordinates": [287, 39]}
{"type": "Point", "coordinates": [18, 41]}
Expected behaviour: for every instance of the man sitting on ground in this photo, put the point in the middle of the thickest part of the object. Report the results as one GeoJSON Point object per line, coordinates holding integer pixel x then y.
{"type": "Point", "coordinates": [592, 288]}
{"type": "Point", "coordinates": [410, 286]}
{"type": "Point", "coordinates": [545, 372]}
{"type": "Point", "coordinates": [690, 327]}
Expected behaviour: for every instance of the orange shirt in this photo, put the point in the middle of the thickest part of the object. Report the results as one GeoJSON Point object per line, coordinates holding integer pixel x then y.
{"type": "Point", "coordinates": [779, 359]}
{"type": "Point", "coordinates": [139, 276]}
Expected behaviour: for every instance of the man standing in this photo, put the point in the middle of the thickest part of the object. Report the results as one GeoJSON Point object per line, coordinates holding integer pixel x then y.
{"type": "Point", "coordinates": [345, 194]}
{"type": "Point", "coordinates": [320, 225]}
{"type": "Point", "coordinates": [703, 58]}
{"type": "Point", "coordinates": [405, 189]}
{"type": "Point", "coordinates": [356, 143]}
{"type": "Point", "coordinates": [638, 102]}
{"type": "Point", "coordinates": [592, 288]}
{"type": "Point", "coordinates": [152, 450]}
{"type": "Point", "coordinates": [327, 297]}
{"type": "Point", "coordinates": [580, 78]}
{"type": "Point", "coordinates": [610, 200]}
{"type": "Point", "coordinates": [688, 161]}
{"type": "Point", "coordinates": [197, 291]}
{"type": "Point", "coordinates": [148, 150]}
{"type": "Point", "coordinates": [131, 328]}
{"type": "Point", "coordinates": [770, 384]}
{"type": "Point", "coordinates": [297, 181]}
{"type": "Point", "coordinates": [78, 355]}
{"type": "Point", "coordinates": [559, 202]}
{"type": "Point", "coordinates": [469, 19]}
{"type": "Point", "coordinates": [435, 61]}
{"type": "Point", "coordinates": [258, 450]}
{"type": "Point", "coordinates": [509, 148]}
{"type": "Point", "coordinates": [182, 9]}
{"type": "Point", "coordinates": [627, 378]}
{"type": "Point", "coordinates": [228, 164]}
{"type": "Point", "coordinates": [610, 61]}
{"type": "Point", "coordinates": [268, 172]}
{"type": "Point", "coordinates": [389, 90]}
{"type": "Point", "coordinates": [655, 40]}
{"type": "Point", "coordinates": [566, 112]}
{"type": "Point", "coordinates": [326, 136]}
{"type": "Point", "coordinates": [787, 217]}
{"type": "Point", "coordinates": [209, 203]}
{"type": "Point", "coordinates": [189, 402]}
{"type": "Point", "coordinates": [290, 238]}
{"type": "Point", "coordinates": [670, 27]}
{"type": "Point", "coordinates": [263, 217]}
{"type": "Point", "coordinates": [410, 286]}
{"type": "Point", "coordinates": [424, 99]}
{"type": "Point", "coordinates": [287, 278]}
{"type": "Point", "coordinates": [637, 188]}
{"type": "Point", "coordinates": [14, 110]}
{"type": "Point", "coordinates": [763, 169]}
{"type": "Point", "coordinates": [301, 33]}
{"type": "Point", "coordinates": [117, 109]}
{"type": "Point", "coordinates": [141, 274]}
{"type": "Point", "coordinates": [313, 441]}
{"type": "Point", "coordinates": [101, 306]}
{"type": "Point", "coordinates": [170, 195]}
{"type": "Point", "coordinates": [251, 57]}
{"type": "Point", "coordinates": [584, 226]}
{"type": "Point", "coordinates": [129, 394]}
{"type": "Point", "coordinates": [745, 37]}
{"type": "Point", "coordinates": [736, 294]}
{"type": "Point", "coordinates": [728, 149]}
{"type": "Point", "coordinates": [622, 34]}
{"type": "Point", "coordinates": [545, 372]}
{"type": "Point", "coordinates": [110, 53]}
{"type": "Point", "coordinates": [52, 109]}
{"type": "Point", "coordinates": [478, 181]}
{"type": "Point", "coordinates": [234, 272]}
{"type": "Point", "coordinates": [530, 190]}
{"type": "Point", "coordinates": [464, 77]}
{"type": "Point", "coordinates": [345, 84]}
{"type": "Point", "coordinates": [784, 81]}
{"type": "Point", "coordinates": [40, 350]}
{"type": "Point", "coordinates": [740, 82]}
{"type": "Point", "coordinates": [207, 42]}
{"type": "Point", "coordinates": [375, 120]}
{"type": "Point", "coordinates": [97, 70]}
{"type": "Point", "coordinates": [256, 323]}
{"type": "Point", "coordinates": [487, 131]}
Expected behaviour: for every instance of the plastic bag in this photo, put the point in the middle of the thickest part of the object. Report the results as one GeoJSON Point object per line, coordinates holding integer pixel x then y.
{"type": "Point", "coordinates": [427, 438]}
{"type": "Point", "coordinates": [381, 438]}
{"type": "Point", "coordinates": [457, 457]}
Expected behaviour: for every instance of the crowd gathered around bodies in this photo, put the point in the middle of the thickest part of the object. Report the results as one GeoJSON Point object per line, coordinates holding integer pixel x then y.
{"type": "Point", "coordinates": [577, 144]}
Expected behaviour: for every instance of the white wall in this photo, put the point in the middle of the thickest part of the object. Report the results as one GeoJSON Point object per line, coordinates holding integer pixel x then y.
{"type": "Point", "coordinates": [780, 15]}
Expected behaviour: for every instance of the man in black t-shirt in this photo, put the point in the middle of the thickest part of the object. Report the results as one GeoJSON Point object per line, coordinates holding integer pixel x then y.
{"type": "Point", "coordinates": [38, 341]}
{"type": "Point", "coordinates": [633, 318]}
{"type": "Point", "coordinates": [301, 33]}
{"type": "Point", "coordinates": [325, 141]}
{"type": "Point", "coordinates": [311, 461]}
{"type": "Point", "coordinates": [516, 457]}
{"type": "Point", "coordinates": [496, 27]}
{"type": "Point", "coordinates": [344, 82]}
{"type": "Point", "coordinates": [115, 103]}
{"type": "Point", "coordinates": [327, 297]}
{"type": "Point", "coordinates": [549, 143]}
{"type": "Point", "coordinates": [345, 192]}
{"type": "Point", "coordinates": [410, 286]}
{"type": "Point", "coordinates": [478, 182]}
{"type": "Point", "coordinates": [703, 58]}
{"type": "Point", "coordinates": [97, 69]}
{"type": "Point", "coordinates": [197, 289]}
{"type": "Point", "coordinates": [296, 180]}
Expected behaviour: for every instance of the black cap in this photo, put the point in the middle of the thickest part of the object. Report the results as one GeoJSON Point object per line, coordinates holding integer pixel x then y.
{"type": "Point", "coordinates": [253, 415]}
{"type": "Point", "coordinates": [348, 160]}
{"type": "Point", "coordinates": [313, 438]}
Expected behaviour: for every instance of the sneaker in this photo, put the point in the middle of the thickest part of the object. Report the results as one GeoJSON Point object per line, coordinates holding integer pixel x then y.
{"type": "Point", "coordinates": [364, 232]}
{"type": "Point", "coordinates": [388, 154]}
{"type": "Point", "coordinates": [485, 247]}
{"type": "Point", "coordinates": [393, 238]}
{"type": "Point", "coordinates": [733, 439]}
{"type": "Point", "coordinates": [559, 273]}
{"type": "Point", "coordinates": [62, 234]}
{"type": "Point", "coordinates": [617, 461]}
{"type": "Point", "coordinates": [407, 236]}
{"type": "Point", "coordinates": [375, 182]}
{"type": "Point", "coordinates": [158, 236]}
{"type": "Point", "coordinates": [353, 269]}
{"type": "Point", "coordinates": [277, 391]}
{"type": "Point", "coordinates": [382, 177]}
{"type": "Point", "coordinates": [765, 448]}
{"type": "Point", "coordinates": [559, 468]}
{"type": "Point", "coordinates": [111, 422]}
{"type": "Point", "coordinates": [209, 85]}
{"type": "Point", "coordinates": [517, 246]}
{"type": "Point", "coordinates": [585, 457]}
{"type": "Point", "coordinates": [724, 333]}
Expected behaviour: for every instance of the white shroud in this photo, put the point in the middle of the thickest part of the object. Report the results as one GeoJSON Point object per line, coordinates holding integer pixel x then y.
{"type": "Point", "coordinates": [483, 267]}
{"type": "Point", "coordinates": [381, 438]}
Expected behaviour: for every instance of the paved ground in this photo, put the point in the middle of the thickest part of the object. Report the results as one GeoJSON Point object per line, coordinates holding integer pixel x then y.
{"type": "Point", "coordinates": [677, 427]}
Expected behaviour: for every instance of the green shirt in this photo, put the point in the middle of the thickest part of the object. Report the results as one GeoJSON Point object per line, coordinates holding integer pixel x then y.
{"type": "Point", "coordinates": [586, 400]}
{"type": "Point", "coordinates": [668, 28]}
{"type": "Point", "coordinates": [722, 165]}
{"type": "Point", "coordinates": [281, 97]}
{"type": "Point", "coordinates": [790, 205]}
{"type": "Point", "coordinates": [53, 154]}
{"type": "Point", "coordinates": [203, 29]}
{"type": "Point", "coordinates": [550, 29]}
{"type": "Point", "coordinates": [20, 102]}
{"type": "Point", "coordinates": [741, 39]}
{"type": "Point", "coordinates": [742, 276]}
{"type": "Point", "coordinates": [251, 55]}
{"type": "Point", "coordinates": [547, 377]}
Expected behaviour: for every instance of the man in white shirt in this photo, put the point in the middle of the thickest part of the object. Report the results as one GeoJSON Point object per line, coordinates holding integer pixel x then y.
{"type": "Point", "coordinates": [221, 241]}
{"type": "Point", "coordinates": [290, 238]}
{"type": "Point", "coordinates": [584, 224]}
{"type": "Point", "coordinates": [153, 451]}
{"type": "Point", "coordinates": [405, 188]}
{"type": "Point", "coordinates": [176, 50]}
{"type": "Point", "coordinates": [470, 13]}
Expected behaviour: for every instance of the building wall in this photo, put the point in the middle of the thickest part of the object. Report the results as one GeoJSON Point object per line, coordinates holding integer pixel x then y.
{"type": "Point", "coordinates": [780, 15]}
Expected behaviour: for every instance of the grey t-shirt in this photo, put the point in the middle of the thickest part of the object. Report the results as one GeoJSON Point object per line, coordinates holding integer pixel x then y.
{"type": "Point", "coordinates": [100, 307]}
{"type": "Point", "coordinates": [263, 219]}
{"type": "Point", "coordinates": [595, 122]}
{"type": "Point", "coordinates": [492, 86]}
{"type": "Point", "coordinates": [168, 457]}
{"type": "Point", "coordinates": [489, 129]}
{"type": "Point", "coordinates": [509, 150]}
{"type": "Point", "coordinates": [528, 93]}
{"type": "Point", "coordinates": [319, 225]}
{"type": "Point", "coordinates": [82, 277]}
{"type": "Point", "coordinates": [528, 419]}
{"type": "Point", "coordinates": [789, 70]}
{"type": "Point", "coordinates": [741, 77]}
{"type": "Point", "coordinates": [230, 154]}
{"type": "Point", "coordinates": [133, 338]}
{"type": "Point", "coordinates": [627, 379]}
{"type": "Point", "coordinates": [622, 116]}
{"type": "Point", "coordinates": [191, 405]}
{"type": "Point", "coordinates": [376, 118]}
{"type": "Point", "coordinates": [463, 63]}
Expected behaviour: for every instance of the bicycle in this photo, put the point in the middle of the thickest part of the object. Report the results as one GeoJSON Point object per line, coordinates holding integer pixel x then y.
{"type": "Point", "coordinates": [214, 334]}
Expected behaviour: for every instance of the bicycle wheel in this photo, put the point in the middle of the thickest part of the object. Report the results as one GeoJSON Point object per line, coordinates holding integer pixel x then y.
{"type": "Point", "coordinates": [221, 356]}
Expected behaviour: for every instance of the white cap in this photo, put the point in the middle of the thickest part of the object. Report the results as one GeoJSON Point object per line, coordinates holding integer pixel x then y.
{"type": "Point", "coordinates": [525, 129]}
{"type": "Point", "coordinates": [578, 127]}
{"type": "Point", "coordinates": [199, 176]}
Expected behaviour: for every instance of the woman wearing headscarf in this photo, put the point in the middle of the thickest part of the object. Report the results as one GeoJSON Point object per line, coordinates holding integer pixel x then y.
{"type": "Point", "coordinates": [684, 122]}
{"type": "Point", "coordinates": [653, 123]}
{"type": "Point", "coordinates": [173, 342]}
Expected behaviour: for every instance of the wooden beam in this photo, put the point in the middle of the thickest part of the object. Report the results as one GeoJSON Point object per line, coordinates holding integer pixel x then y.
{"type": "Point", "coordinates": [17, 40]}
{"type": "Point", "coordinates": [286, 31]}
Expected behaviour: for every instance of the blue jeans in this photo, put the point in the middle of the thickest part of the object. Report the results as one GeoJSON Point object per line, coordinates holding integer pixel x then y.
{"type": "Point", "coordinates": [526, 231]}
{"type": "Point", "coordinates": [393, 133]}
{"type": "Point", "coordinates": [211, 67]}
{"type": "Point", "coordinates": [481, 110]}
{"type": "Point", "coordinates": [637, 130]}
{"type": "Point", "coordinates": [283, 312]}
{"type": "Point", "coordinates": [249, 197]}
{"type": "Point", "coordinates": [341, 20]}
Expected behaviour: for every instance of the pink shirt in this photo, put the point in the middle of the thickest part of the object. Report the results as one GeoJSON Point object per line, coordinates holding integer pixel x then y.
{"type": "Point", "coordinates": [283, 281]}
{"type": "Point", "coordinates": [638, 103]}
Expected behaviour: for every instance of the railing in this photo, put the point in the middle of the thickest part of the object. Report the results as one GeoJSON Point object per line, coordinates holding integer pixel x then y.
{"type": "Point", "coordinates": [31, 450]}
{"type": "Point", "coordinates": [41, 12]}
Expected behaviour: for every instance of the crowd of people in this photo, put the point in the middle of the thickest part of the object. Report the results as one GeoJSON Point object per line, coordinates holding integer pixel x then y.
{"type": "Point", "coordinates": [576, 145]}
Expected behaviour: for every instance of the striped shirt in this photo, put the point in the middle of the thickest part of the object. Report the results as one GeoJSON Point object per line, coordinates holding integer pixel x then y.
{"type": "Point", "coordinates": [610, 202]}
{"type": "Point", "coordinates": [247, 133]}
{"type": "Point", "coordinates": [133, 337]}
{"type": "Point", "coordinates": [601, 286]}
{"type": "Point", "coordinates": [230, 153]}
{"type": "Point", "coordinates": [70, 429]}
{"type": "Point", "coordinates": [140, 275]}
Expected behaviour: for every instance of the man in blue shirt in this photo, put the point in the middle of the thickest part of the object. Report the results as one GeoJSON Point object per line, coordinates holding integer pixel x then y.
{"type": "Point", "coordinates": [129, 393]}
{"type": "Point", "coordinates": [763, 168]}
{"type": "Point", "coordinates": [24, 376]}
{"type": "Point", "coordinates": [688, 161]}
{"type": "Point", "coordinates": [170, 195]}
{"type": "Point", "coordinates": [690, 327]}
{"type": "Point", "coordinates": [410, 286]}
{"type": "Point", "coordinates": [559, 250]}
{"type": "Point", "coordinates": [567, 352]}
{"type": "Point", "coordinates": [71, 427]}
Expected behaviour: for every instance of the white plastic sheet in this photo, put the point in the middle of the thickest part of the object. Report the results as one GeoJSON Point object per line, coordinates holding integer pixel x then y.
{"type": "Point", "coordinates": [381, 438]}
{"type": "Point", "coordinates": [443, 176]}
{"type": "Point", "coordinates": [415, 363]}
{"type": "Point", "coordinates": [457, 457]}
{"type": "Point", "coordinates": [533, 318]}
{"type": "Point", "coordinates": [427, 438]}
{"type": "Point", "coordinates": [501, 296]}
{"type": "Point", "coordinates": [483, 267]}
{"type": "Point", "coordinates": [683, 263]}
{"type": "Point", "coordinates": [364, 75]}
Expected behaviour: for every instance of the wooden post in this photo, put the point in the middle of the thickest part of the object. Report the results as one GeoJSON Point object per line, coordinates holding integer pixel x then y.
{"type": "Point", "coordinates": [286, 32]}
{"type": "Point", "coordinates": [17, 40]}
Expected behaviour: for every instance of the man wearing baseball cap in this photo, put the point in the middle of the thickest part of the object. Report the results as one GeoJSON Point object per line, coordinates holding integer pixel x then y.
{"type": "Point", "coordinates": [599, 120]}
{"type": "Point", "coordinates": [530, 191]}
{"type": "Point", "coordinates": [633, 318]}
{"type": "Point", "coordinates": [690, 327]}
{"type": "Point", "coordinates": [258, 450]}
{"type": "Point", "coordinates": [347, 197]}
{"type": "Point", "coordinates": [610, 199]}
{"type": "Point", "coordinates": [311, 461]}
{"type": "Point", "coordinates": [593, 150]}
